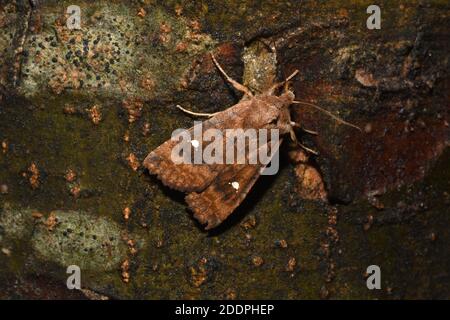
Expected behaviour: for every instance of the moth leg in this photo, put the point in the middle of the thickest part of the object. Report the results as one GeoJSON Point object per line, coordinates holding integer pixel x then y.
{"type": "Point", "coordinates": [296, 125]}
{"type": "Point", "coordinates": [314, 133]}
{"type": "Point", "coordinates": [234, 83]}
{"type": "Point", "coordinates": [198, 114]}
{"type": "Point", "coordinates": [308, 149]}
{"type": "Point", "coordinates": [294, 138]}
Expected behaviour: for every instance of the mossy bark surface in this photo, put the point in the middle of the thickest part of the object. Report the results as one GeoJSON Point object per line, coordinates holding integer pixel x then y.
{"type": "Point", "coordinates": [80, 110]}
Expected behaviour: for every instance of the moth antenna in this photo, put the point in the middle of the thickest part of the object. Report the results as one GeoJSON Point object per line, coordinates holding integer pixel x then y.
{"type": "Point", "coordinates": [291, 76]}
{"type": "Point", "coordinates": [198, 114]}
{"type": "Point", "coordinates": [277, 85]}
{"type": "Point", "coordinates": [314, 152]}
{"type": "Point", "coordinates": [339, 120]}
{"type": "Point", "coordinates": [234, 83]}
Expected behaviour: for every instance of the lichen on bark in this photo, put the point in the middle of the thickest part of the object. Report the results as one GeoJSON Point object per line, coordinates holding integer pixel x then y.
{"type": "Point", "coordinates": [385, 197]}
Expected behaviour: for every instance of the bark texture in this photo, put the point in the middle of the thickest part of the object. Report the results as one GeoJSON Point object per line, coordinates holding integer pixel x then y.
{"type": "Point", "coordinates": [80, 110]}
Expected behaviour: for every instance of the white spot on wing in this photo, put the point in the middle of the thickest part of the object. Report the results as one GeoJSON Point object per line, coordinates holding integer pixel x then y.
{"type": "Point", "coordinates": [235, 185]}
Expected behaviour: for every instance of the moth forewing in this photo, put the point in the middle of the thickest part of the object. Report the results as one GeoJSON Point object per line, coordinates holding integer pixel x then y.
{"type": "Point", "coordinates": [213, 205]}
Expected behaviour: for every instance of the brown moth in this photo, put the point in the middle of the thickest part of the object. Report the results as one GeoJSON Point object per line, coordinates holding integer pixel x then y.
{"type": "Point", "coordinates": [215, 190]}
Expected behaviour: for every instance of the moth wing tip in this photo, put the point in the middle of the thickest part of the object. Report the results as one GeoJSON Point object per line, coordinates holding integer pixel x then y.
{"type": "Point", "coordinates": [201, 212]}
{"type": "Point", "coordinates": [151, 161]}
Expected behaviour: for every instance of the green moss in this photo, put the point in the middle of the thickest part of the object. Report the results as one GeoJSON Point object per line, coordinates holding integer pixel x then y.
{"type": "Point", "coordinates": [169, 242]}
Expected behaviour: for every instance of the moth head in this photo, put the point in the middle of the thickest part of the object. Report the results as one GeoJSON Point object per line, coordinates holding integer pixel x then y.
{"type": "Point", "coordinates": [285, 100]}
{"type": "Point", "coordinates": [288, 96]}
{"type": "Point", "coordinates": [278, 112]}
